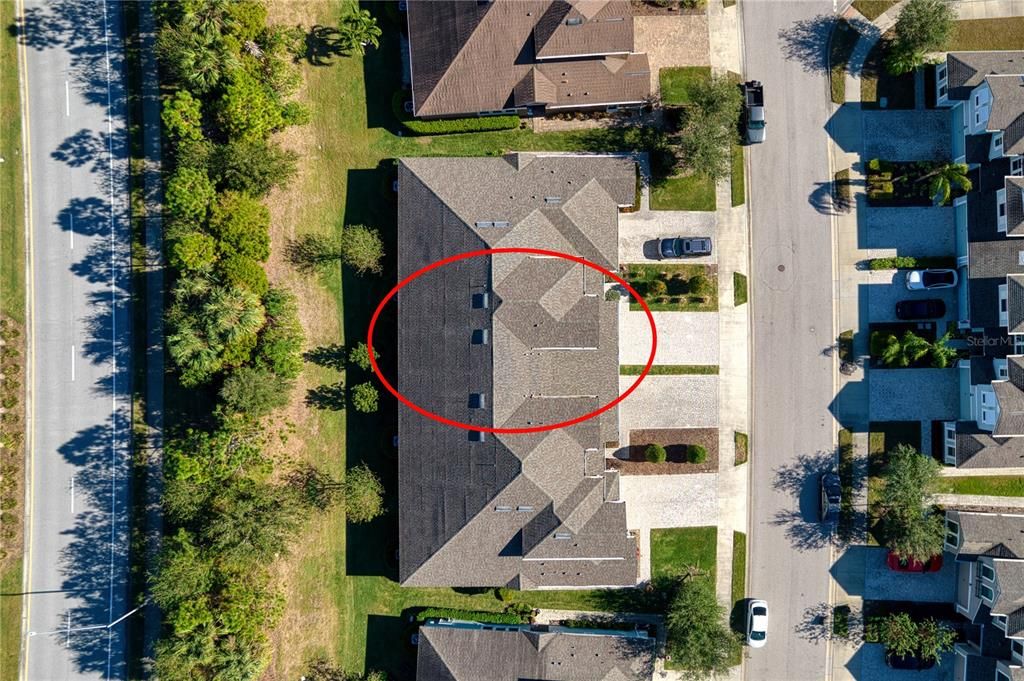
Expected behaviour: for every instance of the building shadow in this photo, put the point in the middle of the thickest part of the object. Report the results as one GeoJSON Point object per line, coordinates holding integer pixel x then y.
{"type": "Point", "coordinates": [383, 69]}
{"type": "Point", "coordinates": [389, 647]}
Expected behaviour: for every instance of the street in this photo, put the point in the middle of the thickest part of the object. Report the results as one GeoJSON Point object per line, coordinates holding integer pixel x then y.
{"type": "Point", "coordinates": [793, 431]}
{"type": "Point", "coordinates": [79, 405]}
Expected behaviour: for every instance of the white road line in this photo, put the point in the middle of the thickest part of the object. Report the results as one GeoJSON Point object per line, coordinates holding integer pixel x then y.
{"type": "Point", "coordinates": [67, 641]}
{"type": "Point", "coordinates": [67, 98]}
{"type": "Point", "coordinates": [72, 495]}
{"type": "Point", "coordinates": [72, 363]}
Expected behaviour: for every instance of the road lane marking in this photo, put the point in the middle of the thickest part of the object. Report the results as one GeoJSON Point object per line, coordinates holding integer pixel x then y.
{"type": "Point", "coordinates": [72, 495]}
{"type": "Point", "coordinates": [67, 98]}
{"type": "Point", "coordinates": [72, 364]}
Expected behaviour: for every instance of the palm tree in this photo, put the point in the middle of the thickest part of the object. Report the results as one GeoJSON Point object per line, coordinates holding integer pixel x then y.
{"type": "Point", "coordinates": [944, 178]}
{"type": "Point", "coordinates": [914, 348]}
{"type": "Point", "coordinates": [359, 29]}
{"type": "Point", "coordinates": [942, 354]}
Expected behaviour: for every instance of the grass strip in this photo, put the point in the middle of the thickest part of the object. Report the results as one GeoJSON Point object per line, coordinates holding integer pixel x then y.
{"type": "Point", "coordinates": [739, 289]}
{"type": "Point", "coordinates": [742, 441]}
{"type": "Point", "coordinates": [677, 81]}
{"type": "Point", "coordinates": [694, 192]}
{"type": "Point", "coordinates": [842, 43]}
{"type": "Point", "coordinates": [737, 184]}
{"type": "Point", "coordinates": [989, 485]}
{"type": "Point", "coordinates": [739, 566]}
{"type": "Point", "coordinates": [669, 369]}
{"type": "Point", "coordinates": [872, 9]}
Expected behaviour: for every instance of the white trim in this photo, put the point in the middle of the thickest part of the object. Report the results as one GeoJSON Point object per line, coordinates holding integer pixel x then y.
{"type": "Point", "coordinates": [578, 56]}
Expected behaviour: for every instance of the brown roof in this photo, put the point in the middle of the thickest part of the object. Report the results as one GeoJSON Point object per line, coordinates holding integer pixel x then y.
{"type": "Point", "coordinates": [468, 57]}
{"type": "Point", "coordinates": [1008, 111]}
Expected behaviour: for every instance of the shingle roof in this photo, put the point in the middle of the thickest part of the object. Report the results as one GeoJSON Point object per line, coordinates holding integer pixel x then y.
{"type": "Point", "coordinates": [453, 653]}
{"type": "Point", "coordinates": [487, 513]}
{"type": "Point", "coordinates": [1010, 593]}
{"type": "Point", "coordinates": [976, 448]}
{"type": "Point", "coordinates": [1015, 206]}
{"type": "Point", "coordinates": [968, 69]}
{"type": "Point", "coordinates": [1015, 303]}
{"type": "Point", "coordinates": [1007, 112]}
{"type": "Point", "coordinates": [979, 668]}
{"type": "Point", "coordinates": [999, 535]}
{"type": "Point", "coordinates": [469, 57]}
{"type": "Point", "coordinates": [1010, 394]}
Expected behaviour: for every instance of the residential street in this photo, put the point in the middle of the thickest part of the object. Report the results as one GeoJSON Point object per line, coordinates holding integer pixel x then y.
{"type": "Point", "coordinates": [791, 282]}
{"type": "Point", "coordinates": [78, 414]}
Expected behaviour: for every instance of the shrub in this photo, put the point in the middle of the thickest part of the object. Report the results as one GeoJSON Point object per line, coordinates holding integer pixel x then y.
{"type": "Point", "coordinates": [249, 110]}
{"type": "Point", "coordinates": [280, 344]}
{"type": "Point", "coordinates": [655, 454]}
{"type": "Point", "coordinates": [699, 285]}
{"type": "Point", "coordinates": [471, 616]}
{"type": "Point", "coordinates": [242, 271]}
{"type": "Point", "coordinates": [253, 168]}
{"type": "Point", "coordinates": [365, 398]}
{"type": "Point", "coordinates": [910, 262]}
{"type": "Point", "coordinates": [364, 495]}
{"type": "Point", "coordinates": [360, 356]}
{"type": "Point", "coordinates": [448, 126]}
{"type": "Point", "coordinates": [696, 454]}
{"type": "Point", "coordinates": [192, 251]}
{"type": "Point", "coordinates": [182, 116]}
{"type": "Point", "coordinates": [241, 225]}
{"type": "Point", "coordinates": [503, 593]}
{"type": "Point", "coordinates": [189, 194]}
{"type": "Point", "coordinates": [656, 288]}
{"type": "Point", "coordinates": [874, 165]}
{"type": "Point", "coordinates": [362, 249]}
{"type": "Point", "coordinates": [254, 391]}
{"type": "Point", "coordinates": [612, 294]}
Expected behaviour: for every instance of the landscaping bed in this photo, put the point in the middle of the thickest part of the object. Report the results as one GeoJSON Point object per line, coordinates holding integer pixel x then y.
{"type": "Point", "coordinates": [903, 183]}
{"type": "Point", "coordinates": [670, 369]}
{"type": "Point", "coordinates": [906, 262]}
{"type": "Point", "coordinates": [872, 9]}
{"type": "Point", "coordinates": [670, 8]}
{"type": "Point", "coordinates": [676, 442]}
{"type": "Point", "coordinates": [877, 84]}
{"type": "Point", "coordinates": [448, 126]}
{"type": "Point", "coordinates": [844, 39]}
{"type": "Point", "coordinates": [742, 442]}
{"type": "Point", "coordinates": [739, 289]}
{"type": "Point", "coordinates": [670, 288]}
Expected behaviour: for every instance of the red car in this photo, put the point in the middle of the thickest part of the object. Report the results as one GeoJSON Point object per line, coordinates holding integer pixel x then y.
{"type": "Point", "coordinates": [933, 564]}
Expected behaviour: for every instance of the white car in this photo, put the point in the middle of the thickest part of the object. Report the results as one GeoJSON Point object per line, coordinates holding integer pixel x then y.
{"type": "Point", "coordinates": [757, 623]}
{"type": "Point", "coordinates": [923, 280]}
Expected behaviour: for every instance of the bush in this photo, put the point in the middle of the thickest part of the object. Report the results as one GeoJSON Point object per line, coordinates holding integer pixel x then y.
{"type": "Point", "coordinates": [280, 343]}
{"type": "Point", "coordinates": [696, 454]}
{"type": "Point", "coordinates": [254, 391]}
{"type": "Point", "coordinates": [360, 356]}
{"type": "Point", "coordinates": [362, 248]}
{"type": "Point", "coordinates": [656, 288]}
{"type": "Point", "coordinates": [655, 454]}
{"type": "Point", "coordinates": [253, 168]}
{"type": "Point", "coordinates": [471, 616]}
{"type": "Point", "coordinates": [364, 495]}
{"type": "Point", "coordinates": [612, 294]}
{"type": "Point", "coordinates": [182, 116]}
{"type": "Point", "coordinates": [241, 225]}
{"type": "Point", "coordinates": [910, 262]}
{"type": "Point", "coordinates": [192, 251]}
{"type": "Point", "coordinates": [503, 593]}
{"type": "Point", "coordinates": [365, 398]}
{"type": "Point", "coordinates": [874, 165]}
{"type": "Point", "coordinates": [448, 126]}
{"type": "Point", "coordinates": [699, 285]}
{"type": "Point", "coordinates": [242, 271]}
{"type": "Point", "coordinates": [249, 110]}
{"type": "Point", "coordinates": [189, 194]}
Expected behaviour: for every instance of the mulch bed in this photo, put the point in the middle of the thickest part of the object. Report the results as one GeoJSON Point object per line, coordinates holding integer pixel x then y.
{"type": "Point", "coordinates": [644, 8]}
{"type": "Point", "coordinates": [674, 440]}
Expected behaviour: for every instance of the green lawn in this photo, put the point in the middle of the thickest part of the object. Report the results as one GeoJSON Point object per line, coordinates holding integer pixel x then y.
{"type": "Point", "coordinates": [844, 39]}
{"type": "Point", "coordinates": [988, 34]}
{"type": "Point", "coordinates": [668, 369]}
{"type": "Point", "coordinates": [737, 184]}
{"type": "Point", "coordinates": [883, 436]}
{"type": "Point", "coordinates": [676, 82]}
{"type": "Point", "coordinates": [739, 566]}
{"type": "Point", "coordinates": [676, 549]}
{"type": "Point", "coordinates": [676, 277]}
{"type": "Point", "coordinates": [877, 83]}
{"type": "Point", "coordinates": [739, 288]}
{"type": "Point", "coordinates": [993, 485]}
{"type": "Point", "coordinates": [847, 471]}
{"type": "Point", "coordinates": [872, 9]}
{"type": "Point", "coordinates": [742, 442]}
{"type": "Point", "coordinates": [693, 192]}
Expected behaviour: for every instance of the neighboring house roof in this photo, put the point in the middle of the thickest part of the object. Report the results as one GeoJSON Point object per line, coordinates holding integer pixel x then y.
{"type": "Point", "coordinates": [1007, 112]}
{"type": "Point", "coordinates": [991, 254]}
{"type": "Point", "coordinates": [451, 653]}
{"type": "Point", "coordinates": [966, 70]}
{"type": "Point", "coordinates": [979, 668]}
{"type": "Point", "coordinates": [976, 448]}
{"type": "Point", "coordinates": [527, 510]}
{"type": "Point", "coordinates": [999, 535]}
{"type": "Point", "coordinates": [1014, 206]}
{"type": "Point", "coordinates": [1015, 303]}
{"type": "Point", "coordinates": [1010, 594]}
{"type": "Point", "coordinates": [469, 57]}
{"type": "Point", "coordinates": [1010, 394]}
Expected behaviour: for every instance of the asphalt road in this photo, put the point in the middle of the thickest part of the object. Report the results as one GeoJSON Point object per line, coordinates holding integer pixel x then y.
{"type": "Point", "coordinates": [79, 351]}
{"type": "Point", "coordinates": [793, 431]}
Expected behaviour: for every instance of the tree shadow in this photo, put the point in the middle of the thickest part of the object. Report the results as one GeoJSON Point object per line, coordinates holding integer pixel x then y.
{"type": "Point", "coordinates": [331, 356]}
{"type": "Point", "coordinates": [807, 42]}
{"type": "Point", "coordinates": [331, 396]}
{"type": "Point", "coordinates": [817, 624]}
{"type": "Point", "coordinates": [800, 479]}
{"type": "Point", "coordinates": [323, 46]}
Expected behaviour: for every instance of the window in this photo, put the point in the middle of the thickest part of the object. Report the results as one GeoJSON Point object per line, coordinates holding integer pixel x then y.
{"type": "Point", "coordinates": [1017, 648]}
{"type": "Point", "coordinates": [1002, 304]}
{"type": "Point", "coordinates": [1002, 209]}
{"type": "Point", "coordinates": [481, 301]}
{"type": "Point", "coordinates": [977, 118]}
{"type": "Point", "coordinates": [942, 91]}
{"type": "Point", "coordinates": [941, 72]}
{"type": "Point", "coordinates": [477, 436]}
{"type": "Point", "coordinates": [977, 100]}
{"type": "Point", "coordinates": [952, 531]}
{"type": "Point", "coordinates": [997, 140]}
{"type": "Point", "coordinates": [999, 621]}
{"type": "Point", "coordinates": [985, 591]}
{"type": "Point", "coordinates": [477, 401]}
{"type": "Point", "coordinates": [480, 337]}
{"type": "Point", "coordinates": [1017, 165]}
{"type": "Point", "coordinates": [987, 573]}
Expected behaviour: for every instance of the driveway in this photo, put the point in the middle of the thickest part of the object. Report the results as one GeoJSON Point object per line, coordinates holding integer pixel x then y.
{"type": "Point", "coordinates": [683, 337]}
{"type": "Point", "coordinates": [913, 394]}
{"type": "Point", "coordinates": [907, 231]}
{"type": "Point", "coordinates": [680, 40]}
{"type": "Point", "coordinates": [639, 233]}
{"type": "Point", "coordinates": [883, 584]}
{"type": "Point", "coordinates": [916, 135]}
{"type": "Point", "coordinates": [669, 402]}
{"type": "Point", "coordinates": [887, 288]}
{"type": "Point", "coordinates": [873, 668]}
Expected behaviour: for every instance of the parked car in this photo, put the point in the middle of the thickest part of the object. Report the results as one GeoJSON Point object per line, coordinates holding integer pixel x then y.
{"type": "Point", "coordinates": [897, 564]}
{"type": "Point", "coordinates": [927, 308]}
{"type": "Point", "coordinates": [684, 247]}
{"type": "Point", "coordinates": [921, 280]}
{"type": "Point", "coordinates": [911, 662]}
{"type": "Point", "coordinates": [753, 111]}
{"type": "Point", "coordinates": [757, 623]}
{"type": "Point", "coordinates": [830, 494]}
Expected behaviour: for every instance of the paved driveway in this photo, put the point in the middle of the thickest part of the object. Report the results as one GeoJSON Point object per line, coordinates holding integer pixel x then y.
{"type": "Point", "coordinates": [918, 135]}
{"type": "Point", "coordinates": [669, 402]}
{"type": "Point", "coordinates": [639, 233]}
{"type": "Point", "coordinates": [683, 337]}
{"type": "Point", "coordinates": [887, 288]}
{"type": "Point", "coordinates": [882, 584]}
{"type": "Point", "coordinates": [873, 668]}
{"type": "Point", "coordinates": [907, 231]}
{"type": "Point", "coordinates": [913, 394]}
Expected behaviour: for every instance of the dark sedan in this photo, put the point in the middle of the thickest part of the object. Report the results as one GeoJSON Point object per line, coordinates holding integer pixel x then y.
{"type": "Point", "coordinates": [683, 247]}
{"type": "Point", "coordinates": [930, 308]}
{"type": "Point", "coordinates": [830, 492]}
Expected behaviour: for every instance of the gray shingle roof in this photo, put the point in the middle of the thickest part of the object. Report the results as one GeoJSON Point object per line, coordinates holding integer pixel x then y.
{"type": "Point", "coordinates": [448, 653]}
{"type": "Point", "coordinates": [1007, 112]}
{"type": "Point", "coordinates": [968, 69]}
{"type": "Point", "coordinates": [1000, 535]}
{"type": "Point", "coordinates": [1015, 206]}
{"type": "Point", "coordinates": [1010, 394]}
{"type": "Point", "coordinates": [1015, 303]}
{"type": "Point", "coordinates": [483, 56]}
{"type": "Point", "coordinates": [1010, 593]}
{"type": "Point", "coordinates": [493, 512]}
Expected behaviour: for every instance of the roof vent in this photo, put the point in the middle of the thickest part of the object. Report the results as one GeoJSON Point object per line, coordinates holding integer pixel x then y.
{"type": "Point", "coordinates": [481, 301]}
{"type": "Point", "coordinates": [477, 436]}
{"type": "Point", "coordinates": [1020, 258]}
{"type": "Point", "coordinates": [481, 223]}
{"type": "Point", "coordinates": [563, 535]}
{"type": "Point", "coordinates": [480, 337]}
{"type": "Point", "coordinates": [477, 401]}
{"type": "Point", "coordinates": [524, 509]}
{"type": "Point", "coordinates": [573, 21]}
{"type": "Point", "coordinates": [552, 199]}
{"type": "Point", "coordinates": [503, 509]}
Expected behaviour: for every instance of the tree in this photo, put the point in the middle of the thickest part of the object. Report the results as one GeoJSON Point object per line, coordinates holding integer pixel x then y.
{"type": "Point", "coordinates": [189, 194]}
{"type": "Point", "coordinates": [250, 522]}
{"type": "Point", "coordinates": [718, 99]}
{"type": "Point", "coordinates": [253, 168]}
{"type": "Point", "coordinates": [182, 572]}
{"type": "Point", "coordinates": [364, 495]}
{"type": "Point", "coordinates": [249, 110]}
{"type": "Point", "coordinates": [194, 49]}
{"type": "Point", "coordinates": [706, 147]}
{"type": "Point", "coordinates": [365, 398]}
{"type": "Point", "coordinates": [898, 633]}
{"type": "Point", "coordinates": [697, 453]}
{"type": "Point", "coordinates": [655, 454]}
{"type": "Point", "coordinates": [942, 354]}
{"type": "Point", "coordinates": [241, 225]}
{"type": "Point", "coordinates": [362, 248]}
{"type": "Point", "coordinates": [280, 343]}
{"type": "Point", "coordinates": [360, 356]}
{"type": "Point", "coordinates": [699, 639]}
{"type": "Point", "coordinates": [192, 251]}
{"type": "Point", "coordinates": [358, 30]}
{"type": "Point", "coordinates": [322, 670]}
{"type": "Point", "coordinates": [182, 116]}
{"type": "Point", "coordinates": [913, 348]}
{"type": "Point", "coordinates": [923, 26]}
{"type": "Point", "coordinates": [934, 639]}
{"type": "Point", "coordinates": [942, 180]}
{"type": "Point", "coordinates": [254, 391]}
{"type": "Point", "coordinates": [314, 252]}
{"type": "Point", "coordinates": [244, 272]}
{"type": "Point", "coordinates": [912, 529]}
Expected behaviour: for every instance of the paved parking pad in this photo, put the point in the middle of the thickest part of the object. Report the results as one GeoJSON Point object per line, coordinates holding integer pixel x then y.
{"type": "Point", "coordinates": [887, 288]}
{"type": "Point", "coordinates": [683, 337]}
{"type": "Point", "coordinates": [669, 402]}
{"type": "Point", "coordinates": [652, 501]}
{"type": "Point", "coordinates": [916, 135]}
{"type": "Point", "coordinates": [883, 584]}
{"type": "Point", "coordinates": [871, 657]}
{"type": "Point", "coordinates": [913, 394]}
{"type": "Point", "coordinates": [914, 232]}
{"type": "Point", "coordinates": [639, 233]}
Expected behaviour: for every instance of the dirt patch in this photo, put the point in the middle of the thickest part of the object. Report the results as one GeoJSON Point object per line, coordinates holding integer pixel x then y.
{"type": "Point", "coordinates": [631, 461]}
{"type": "Point", "coordinates": [646, 8]}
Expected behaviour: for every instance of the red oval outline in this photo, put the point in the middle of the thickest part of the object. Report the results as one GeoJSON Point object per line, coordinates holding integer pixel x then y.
{"type": "Point", "coordinates": [534, 429]}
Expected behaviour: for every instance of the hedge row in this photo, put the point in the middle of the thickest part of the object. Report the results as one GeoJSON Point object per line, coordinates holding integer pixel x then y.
{"type": "Point", "coordinates": [473, 616]}
{"type": "Point", "coordinates": [906, 262]}
{"type": "Point", "coordinates": [448, 126]}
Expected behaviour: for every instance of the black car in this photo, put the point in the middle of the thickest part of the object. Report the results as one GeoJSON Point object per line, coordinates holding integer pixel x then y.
{"type": "Point", "coordinates": [682, 247]}
{"type": "Point", "coordinates": [929, 308]}
{"type": "Point", "coordinates": [830, 494]}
